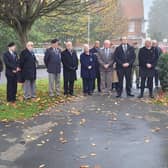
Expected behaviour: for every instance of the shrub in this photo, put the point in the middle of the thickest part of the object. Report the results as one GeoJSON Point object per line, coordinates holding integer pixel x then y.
{"type": "Point", "coordinates": [163, 71]}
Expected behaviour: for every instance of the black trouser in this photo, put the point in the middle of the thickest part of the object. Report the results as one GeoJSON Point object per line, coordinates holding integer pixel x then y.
{"type": "Point", "coordinates": [156, 78]}
{"type": "Point", "coordinates": [87, 85]}
{"type": "Point", "coordinates": [149, 84]}
{"type": "Point", "coordinates": [11, 88]}
{"type": "Point", "coordinates": [98, 79]}
{"type": "Point", "coordinates": [115, 86]}
{"type": "Point", "coordinates": [127, 73]}
{"type": "Point", "coordinates": [68, 87]}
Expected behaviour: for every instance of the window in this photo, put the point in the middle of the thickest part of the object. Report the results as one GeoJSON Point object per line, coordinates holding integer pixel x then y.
{"type": "Point", "coordinates": [131, 27]}
{"type": "Point", "coordinates": [143, 27]}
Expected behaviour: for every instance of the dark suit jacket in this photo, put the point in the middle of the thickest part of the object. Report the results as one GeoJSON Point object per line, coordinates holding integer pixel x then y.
{"type": "Point", "coordinates": [121, 57]}
{"type": "Point", "coordinates": [10, 63]}
{"type": "Point", "coordinates": [147, 56]}
{"type": "Point", "coordinates": [53, 61]}
{"type": "Point", "coordinates": [70, 65]}
{"type": "Point", "coordinates": [85, 62]}
{"type": "Point", "coordinates": [95, 52]}
{"type": "Point", "coordinates": [28, 65]}
{"type": "Point", "coordinates": [1, 65]}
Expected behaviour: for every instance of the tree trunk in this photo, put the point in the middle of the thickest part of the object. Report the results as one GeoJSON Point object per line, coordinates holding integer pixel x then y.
{"type": "Point", "coordinates": [22, 31]}
{"type": "Point", "coordinates": [23, 36]}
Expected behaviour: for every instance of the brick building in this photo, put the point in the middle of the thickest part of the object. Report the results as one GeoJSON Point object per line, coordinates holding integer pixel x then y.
{"type": "Point", "coordinates": [133, 11]}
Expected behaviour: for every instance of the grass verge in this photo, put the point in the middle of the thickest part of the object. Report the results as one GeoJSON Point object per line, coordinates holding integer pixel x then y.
{"type": "Point", "coordinates": [162, 98]}
{"type": "Point", "coordinates": [27, 109]}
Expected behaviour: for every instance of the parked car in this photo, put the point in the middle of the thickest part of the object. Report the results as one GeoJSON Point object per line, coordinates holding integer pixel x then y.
{"type": "Point", "coordinates": [39, 54]}
{"type": "Point", "coordinates": [79, 51]}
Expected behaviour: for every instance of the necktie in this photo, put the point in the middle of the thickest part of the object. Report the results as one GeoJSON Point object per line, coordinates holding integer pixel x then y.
{"type": "Point", "coordinates": [106, 52]}
{"type": "Point", "coordinates": [13, 55]}
{"type": "Point", "coordinates": [125, 48]}
{"type": "Point", "coordinates": [56, 51]}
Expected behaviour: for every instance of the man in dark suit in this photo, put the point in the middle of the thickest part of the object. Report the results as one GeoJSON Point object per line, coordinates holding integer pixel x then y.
{"type": "Point", "coordinates": [52, 61]}
{"type": "Point", "coordinates": [11, 63]}
{"type": "Point", "coordinates": [28, 71]}
{"type": "Point", "coordinates": [70, 65]}
{"type": "Point", "coordinates": [148, 58]}
{"type": "Point", "coordinates": [95, 51]}
{"type": "Point", "coordinates": [124, 58]}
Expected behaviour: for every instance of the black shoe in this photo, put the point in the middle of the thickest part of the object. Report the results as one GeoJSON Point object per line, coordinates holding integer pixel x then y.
{"type": "Point", "coordinates": [157, 87]}
{"type": "Point", "coordinates": [118, 96]}
{"type": "Point", "coordinates": [151, 96]}
{"type": "Point", "coordinates": [90, 94]}
{"type": "Point", "coordinates": [130, 95]}
{"type": "Point", "coordinates": [71, 94]}
{"type": "Point", "coordinates": [140, 96]}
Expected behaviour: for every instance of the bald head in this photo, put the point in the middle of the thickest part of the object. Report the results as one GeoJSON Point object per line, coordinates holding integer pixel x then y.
{"type": "Point", "coordinates": [30, 45]}
{"type": "Point", "coordinates": [154, 43]}
{"type": "Point", "coordinates": [69, 45]}
{"type": "Point", "coordinates": [124, 40]}
{"type": "Point", "coordinates": [107, 44]}
{"type": "Point", "coordinates": [148, 43]}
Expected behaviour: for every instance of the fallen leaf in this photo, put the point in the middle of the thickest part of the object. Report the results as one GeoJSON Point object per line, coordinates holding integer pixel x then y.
{"type": "Point", "coordinates": [82, 121]}
{"type": "Point", "coordinates": [127, 114]}
{"type": "Point", "coordinates": [50, 130]}
{"type": "Point", "coordinates": [93, 144]}
{"type": "Point", "coordinates": [93, 154]}
{"type": "Point", "coordinates": [83, 157]}
{"type": "Point", "coordinates": [114, 119]}
{"type": "Point", "coordinates": [42, 166]}
{"type": "Point", "coordinates": [147, 140]}
{"type": "Point", "coordinates": [97, 166]}
{"type": "Point", "coordinates": [85, 166]}
{"type": "Point", "coordinates": [43, 142]}
{"type": "Point", "coordinates": [157, 129]}
{"type": "Point", "coordinates": [61, 132]}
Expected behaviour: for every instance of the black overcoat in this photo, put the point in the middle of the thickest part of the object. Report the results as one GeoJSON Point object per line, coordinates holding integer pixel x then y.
{"type": "Point", "coordinates": [70, 64]}
{"type": "Point", "coordinates": [95, 51]}
{"type": "Point", "coordinates": [147, 56]}
{"type": "Point", "coordinates": [27, 65]}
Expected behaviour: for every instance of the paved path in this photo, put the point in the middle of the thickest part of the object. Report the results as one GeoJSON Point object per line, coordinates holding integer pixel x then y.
{"type": "Point", "coordinates": [91, 131]}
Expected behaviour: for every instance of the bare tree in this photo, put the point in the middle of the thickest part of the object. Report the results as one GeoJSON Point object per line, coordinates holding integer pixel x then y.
{"type": "Point", "coordinates": [21, 14]}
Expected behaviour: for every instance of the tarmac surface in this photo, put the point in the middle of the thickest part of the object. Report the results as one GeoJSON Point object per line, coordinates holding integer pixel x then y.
{"type": "Point", "coordinates": [89, 131]}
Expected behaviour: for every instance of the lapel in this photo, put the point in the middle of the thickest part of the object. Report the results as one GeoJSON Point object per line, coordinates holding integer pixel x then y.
{"type": "Point", "coordinates": [128, 48]}
{"type": "Point", "coordinates": [70, 53]}
{"type": "Point", "coordinates": [121, 49]}
{"type": "Point", "coordinates": [123, 53]}
{"type": "Point", "coordinates": [11, 56]}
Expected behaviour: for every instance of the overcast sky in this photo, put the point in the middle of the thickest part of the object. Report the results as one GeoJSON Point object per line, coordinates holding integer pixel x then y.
{"type": "Point", "coordinates": [147, 5]}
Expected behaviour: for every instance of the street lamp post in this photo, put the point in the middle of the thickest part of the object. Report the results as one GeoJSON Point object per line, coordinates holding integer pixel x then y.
{"type": "Point", "coordinates": [88, 29]}
{"type": "Point", "coordinates": [88, 26]}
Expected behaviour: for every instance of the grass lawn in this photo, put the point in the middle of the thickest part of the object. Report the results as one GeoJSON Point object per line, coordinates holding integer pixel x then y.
{"type": "Point", "coordinates": [27, 109]}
